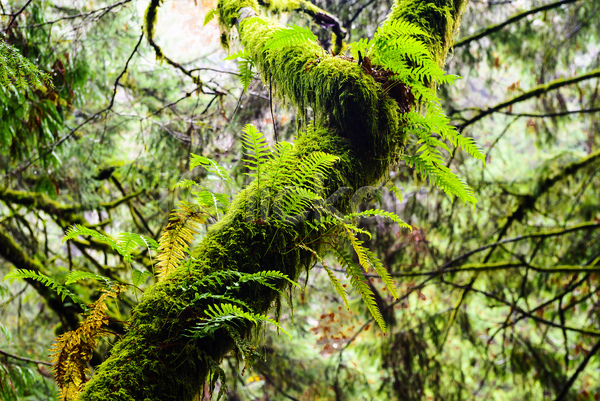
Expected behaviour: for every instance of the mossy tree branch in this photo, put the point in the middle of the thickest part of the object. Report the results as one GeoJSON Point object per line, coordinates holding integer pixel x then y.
{"type": "Point", "coordinates": [355, 120]}
{"type": "Point", "coordinates": [66, 213]}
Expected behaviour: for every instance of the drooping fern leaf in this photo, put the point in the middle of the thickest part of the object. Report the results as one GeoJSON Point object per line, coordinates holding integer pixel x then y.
{"type": "Point", "coordinates": [442, 177]}
{"type": "Point", "coordinates": [245, 65]}
{"type": "Point", "coordinates": [264, 277]}
{"type": "Point", "coordinates": [173, 243]}
{"type": "Point", "coordinates": [17, 72]}
{"type": "Point", "coordinates": [211, 166]}
{"type": "Point", "coordinates": [126, 244]}
{"type": "Point", "coordinates": [337, 285]}
{"type": "Point", "coordinates": [49, 282]}
{"type": "Point", "coordinates": [72, 350]}
{"type": "Point", "coordinates": [382, 213]}
{"type": "Point", "coordinates": [210, 15]}
{"type": "Point", "coordinates": [79, 275]}
{"type": "Point", "coordinates": [256, 151]}
{"type": "Point", "coordinates": [358, 281]}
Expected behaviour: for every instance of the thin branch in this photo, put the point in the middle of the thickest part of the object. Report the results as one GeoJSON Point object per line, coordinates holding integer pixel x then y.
{"type": "Point", "coordinates": [517, 17]}
{"type": "Point", "coordinates": [469, 287]}
{"type": "Point", "coordinates": [580, 369]}
{"type": "Point", "coordinates": [24, 359]}
{"type": "Point", "coordinates": [15, 15]}
{"type": "Point", "coordinates": [550, 115]}
{"type": "Point", "coordinates": [590, 225]}
{"type": "Point", "coordinates": [104, 10]}
{"type": "Point", "coordinates": [358, 12]}
{"type": "Point", "coordinates": [534, 92]}
{"type": "Point", "coordinates": [56, 144]}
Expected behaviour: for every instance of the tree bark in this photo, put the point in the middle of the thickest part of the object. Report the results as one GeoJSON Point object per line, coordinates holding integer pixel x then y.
{"type": "Point", "coordinates": [355, 120]}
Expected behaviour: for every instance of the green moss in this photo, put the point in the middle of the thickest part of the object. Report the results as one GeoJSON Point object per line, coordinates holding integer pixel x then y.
{"type": "Point", "coordinates": [440, 18]}
{"type": "Point", "coordinates": [354, 119]}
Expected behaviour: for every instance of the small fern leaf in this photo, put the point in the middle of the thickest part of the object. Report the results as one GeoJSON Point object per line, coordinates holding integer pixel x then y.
{"type": "Point", "coordinates": [442, 177]}
{"type": "Point", "coordinates": [280, 168]}
{"type": "Point", "coordinates": [211, 166]}
{"type": "Point", "coordinates": [239, 54]}
{"type": "Point", "coordinates": [382, 213]}
{"type": "Point", "coordinates": [334, 280]}
{"type": "Point", "coordinates": [229, 313]}
{"type": "Point", "coordinates": [210, 15]}
{"type": "Point", "coordinates": [292, 35]}
{"type": "Point", "coordinates": [77, 230]}
{"type": "Point", "coordinates": [471, 147]}
{"type": "Point", "coordinates": [131, 241]}
{"type": "Point", "coordinates": [361, 251]}
{"type": "Point", "coordinates": [358, 281]}
{"type": "Point", "coordinates": [49, 282]}
{"type": "Point", "coordinates": [339, 288]}
{"type": "Point", "coordinates": [256, 150]}
{"type": "Point", "coordinates": [245, 72]}
{"type": "Point", "coordinates": [382, 273]}
{"type": "Point", "coordinates": [264, 276]}
{"type": "Point", "coordinates": [173, 243]}
{"type": "Point", "coordinates": [79, 275]}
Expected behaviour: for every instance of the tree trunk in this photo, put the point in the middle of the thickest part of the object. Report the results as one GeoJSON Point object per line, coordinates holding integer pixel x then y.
{"type": "Point", "coordinates": [355, 120]}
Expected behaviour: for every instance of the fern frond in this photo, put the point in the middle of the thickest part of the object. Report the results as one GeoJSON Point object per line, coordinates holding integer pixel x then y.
{"type": "Point", "coordinates": [229, 315]}
{"type": "Point", "coordinates": [71, 351]}
{"type": "Point", "coordinates": [382, 272]}
{"type": "Point", "coordinates": [358, 281]}
{"type": "Point", "coordinates": [312, 168]}
{"type": "Point", "coordinates": [239, 54]}
{"type": "Point", "coordinates": [77, 229]}
{"type": "Point", "coordinates": [131, 241]}
{"type": "Point", "coordinates": [280, 169]}
{"type": "Point", "coordinates": [173, 244]}
{"type": "Point", "coordinates": [17, 72]}
{"type": "Point", "coordinates": [256, 150]}
{"type": "Point", "coordinates": [210, 15]}
{"type": "Point", "coordinates": [382, 213]}
{"type": "Point", "coordinates": [79, 275]}
{"type": "Point", "coordinates": [211, 166]}
{"type": "Point", "coordinates": [212, 200]}
{"type": "Point", "coordinates": [361, 251]}
{"type": "Point", "coordinates": [264, 276]}
{"type": "Point", "coordinates": [288, 36]}
{"type": "Point", "coordinates": [138, 277]}
{"type": "Point", "coordinates": [339, 288]}
{"type": "Point", "coordinates": [245, 64]}
{"type": "Point", "coordinates": [442, 177]}
{"type": "Point", "coordinates": [394, 28]}
{"type": "Point", "coordinates": [471, 147]}
{"type": "Point", "coordinates": [293, 202]}
{"type": "Point", "coordinates": [225, 298]}
{"type": "Point", "coordinates": [60, 289]}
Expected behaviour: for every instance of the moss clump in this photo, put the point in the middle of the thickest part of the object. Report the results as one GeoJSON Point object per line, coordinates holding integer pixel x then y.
{"type": "Point", "coordinates": [440, 18]}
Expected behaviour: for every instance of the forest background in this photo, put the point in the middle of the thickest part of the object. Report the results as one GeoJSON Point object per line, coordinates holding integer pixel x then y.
{"type": "Point", "coordinates": [499, 301]}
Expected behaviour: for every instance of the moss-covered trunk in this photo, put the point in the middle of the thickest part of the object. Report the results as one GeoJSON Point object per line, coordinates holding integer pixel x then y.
{"type": "Point", "coordinates": [355, 120]}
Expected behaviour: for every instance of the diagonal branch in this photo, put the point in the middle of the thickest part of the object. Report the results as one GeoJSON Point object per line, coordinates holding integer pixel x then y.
{"type": "Point", "coordinates": [517, 17]}
{"type": "Point", "coordinates": [534, 92]}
